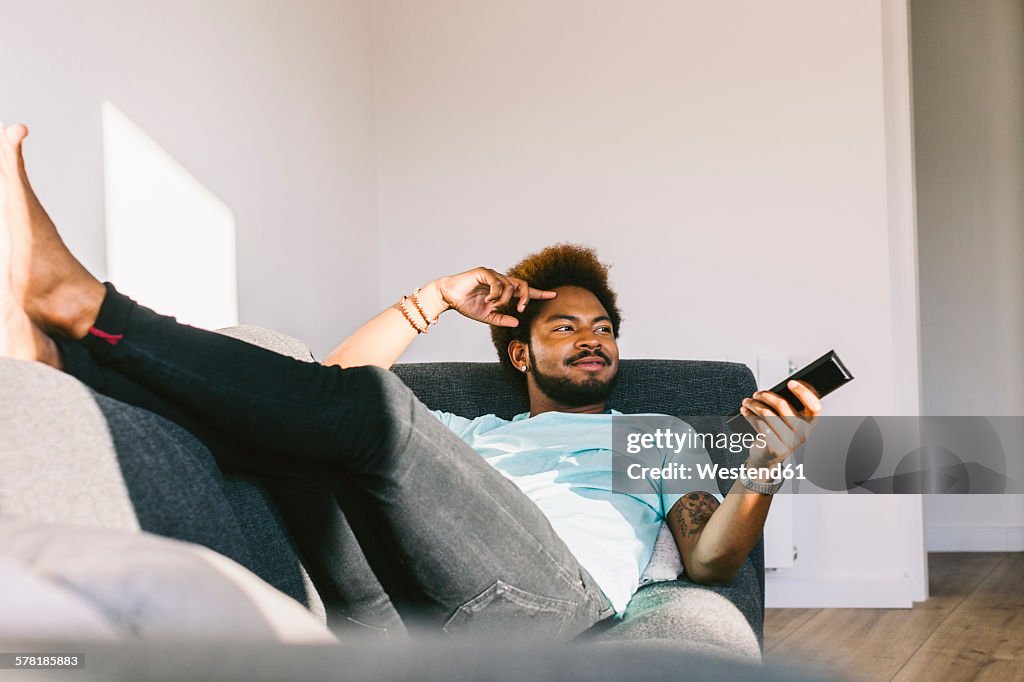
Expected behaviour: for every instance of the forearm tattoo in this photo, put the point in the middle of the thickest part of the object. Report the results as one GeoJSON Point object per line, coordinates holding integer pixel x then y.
{"type": "Point", "coordinates": [693, 511]}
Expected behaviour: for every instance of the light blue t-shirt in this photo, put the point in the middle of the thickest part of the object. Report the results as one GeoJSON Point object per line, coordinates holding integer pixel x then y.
{"type": "Point", "coordinates": [563, 462]}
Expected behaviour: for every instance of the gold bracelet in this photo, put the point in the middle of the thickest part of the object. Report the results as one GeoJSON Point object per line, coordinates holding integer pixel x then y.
{"type": "Point", "coordinates": [405, 313]}
{"type": "Point", "coordinates": [416, 302]}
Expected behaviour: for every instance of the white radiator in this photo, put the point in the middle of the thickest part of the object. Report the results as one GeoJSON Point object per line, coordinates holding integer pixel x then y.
{"type": "Point", "coordinates": [779, 549]}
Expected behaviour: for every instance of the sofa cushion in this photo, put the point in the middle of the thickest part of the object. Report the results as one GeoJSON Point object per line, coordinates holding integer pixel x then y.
{"type": "Point", "coordinates": [152, 587]}
{"type": "Point", "coordinates": [107, 464]}
{"type": "Point", "coordinates": [670, 611]}
{"type": "Point", "coordinates": [36, 608]}
{"type": "Point", "coordinates": [272, 554]}
{"type": "Point", "coordinates": [113, 465]}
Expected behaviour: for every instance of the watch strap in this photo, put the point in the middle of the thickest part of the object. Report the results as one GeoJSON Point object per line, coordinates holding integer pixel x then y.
{"type": "Point", "coordinates": [763, 488]}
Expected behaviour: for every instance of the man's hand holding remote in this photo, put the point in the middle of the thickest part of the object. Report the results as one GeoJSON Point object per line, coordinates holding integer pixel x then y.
{"type": "Point", "coordinates": [784, 430]}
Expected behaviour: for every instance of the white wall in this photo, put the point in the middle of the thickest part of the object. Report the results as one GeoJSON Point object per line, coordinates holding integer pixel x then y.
{"type": "Point", "coordinates": [267, 105]}
{"type": "Point", "coordinates": [729, 158]}
{"type": "Point", "coordinates": [969, 125]}
{"type": "Point", "coordinates": [734, 160]}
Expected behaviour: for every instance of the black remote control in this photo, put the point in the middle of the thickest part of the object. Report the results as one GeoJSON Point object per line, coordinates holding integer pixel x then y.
{"type": "Point", "coordinates": [824, 375]}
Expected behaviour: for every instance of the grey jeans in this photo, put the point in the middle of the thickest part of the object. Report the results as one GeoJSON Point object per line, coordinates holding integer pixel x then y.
{"type": "Point", "coordinates": [463, 548]}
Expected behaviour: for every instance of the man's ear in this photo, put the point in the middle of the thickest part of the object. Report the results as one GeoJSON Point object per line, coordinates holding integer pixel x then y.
{"type": "Point", "coordinates": [519, 353]}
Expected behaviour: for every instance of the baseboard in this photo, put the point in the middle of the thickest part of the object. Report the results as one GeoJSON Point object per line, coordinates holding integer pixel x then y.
{"type": "Point", "coordinates": [791, 592]}
{"type": "Point", "coordinates": [974, 538]}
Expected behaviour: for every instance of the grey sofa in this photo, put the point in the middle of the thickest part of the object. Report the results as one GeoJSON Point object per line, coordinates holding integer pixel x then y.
{"type": "Point", "coordinates": [69, 455]}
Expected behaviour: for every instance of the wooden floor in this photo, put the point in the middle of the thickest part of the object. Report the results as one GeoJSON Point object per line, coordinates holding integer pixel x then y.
{"type": "Point", "coordinates": [971, 628]}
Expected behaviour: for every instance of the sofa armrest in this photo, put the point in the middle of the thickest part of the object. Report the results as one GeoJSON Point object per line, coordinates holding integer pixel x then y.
{"type": "Point", "coordinates": [70, 455]}
{"type": "Point", "coordinates": [682, 614]}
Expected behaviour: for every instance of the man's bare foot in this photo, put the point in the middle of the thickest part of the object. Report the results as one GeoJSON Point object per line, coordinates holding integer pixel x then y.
{"type": "Point", "coordinates": [20, 338]}
{"type": "Point", "coordinates": [53, 289]}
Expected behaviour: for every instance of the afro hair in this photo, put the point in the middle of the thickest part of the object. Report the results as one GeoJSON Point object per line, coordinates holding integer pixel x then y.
{"type": "Point", "coordinates": [556, 266]}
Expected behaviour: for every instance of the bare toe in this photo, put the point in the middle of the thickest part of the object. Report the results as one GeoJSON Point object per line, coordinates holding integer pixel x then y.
{"type": "Point", "coordinates": [16, 133]}
{"type": "Point", "coordinates": [10, 149]}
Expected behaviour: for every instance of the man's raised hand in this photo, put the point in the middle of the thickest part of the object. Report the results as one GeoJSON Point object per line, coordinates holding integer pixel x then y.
{"type": "Point", "coordinates": [481, 293]}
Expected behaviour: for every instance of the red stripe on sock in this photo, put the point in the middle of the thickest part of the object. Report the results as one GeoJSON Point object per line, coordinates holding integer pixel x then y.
{"type": "Point", "coordinates": [112, 339]}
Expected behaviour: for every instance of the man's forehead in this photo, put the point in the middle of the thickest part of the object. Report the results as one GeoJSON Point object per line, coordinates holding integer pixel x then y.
{"type": "Point", "coordinates": [574, 302]}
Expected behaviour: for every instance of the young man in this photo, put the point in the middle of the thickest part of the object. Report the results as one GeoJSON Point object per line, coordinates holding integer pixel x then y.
{"type": "Point", "coordinates": [529, 537]}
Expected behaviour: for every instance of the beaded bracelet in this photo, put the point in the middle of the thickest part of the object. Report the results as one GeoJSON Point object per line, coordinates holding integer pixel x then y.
{"type": "Point", "coordinates": [419, 308]}
{"type": "Point", "coordinates": [405, 313]}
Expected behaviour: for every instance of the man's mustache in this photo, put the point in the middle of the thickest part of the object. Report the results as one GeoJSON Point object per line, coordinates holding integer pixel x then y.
{"type": "Point", "coordinates": [589, 354]}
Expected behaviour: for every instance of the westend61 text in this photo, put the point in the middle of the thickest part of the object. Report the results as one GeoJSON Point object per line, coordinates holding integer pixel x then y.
{"type": "Point", "coordinates": [710, 472]}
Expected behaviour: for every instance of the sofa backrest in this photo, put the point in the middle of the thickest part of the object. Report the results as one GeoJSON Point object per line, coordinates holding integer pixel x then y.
{"type": "Point", "coordinates": [701, 392]}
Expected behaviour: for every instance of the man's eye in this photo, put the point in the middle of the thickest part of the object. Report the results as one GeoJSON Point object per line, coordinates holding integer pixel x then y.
{"type": "Point", "coordinates": [564, 327]}
{"type": "Point", "coordinates": [605, 329]}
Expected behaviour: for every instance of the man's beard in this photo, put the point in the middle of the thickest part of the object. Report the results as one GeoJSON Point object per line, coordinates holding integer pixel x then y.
{"type": "Point", "coordinates": [565, 391]}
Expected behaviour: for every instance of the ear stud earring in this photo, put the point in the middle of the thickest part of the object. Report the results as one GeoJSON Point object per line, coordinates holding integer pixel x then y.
{"type": "Point", "coordinates": [523, 368]}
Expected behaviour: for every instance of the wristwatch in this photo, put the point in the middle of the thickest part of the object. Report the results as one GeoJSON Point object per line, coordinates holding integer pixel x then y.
{"type": "Point", "coordinates": [763, 488]}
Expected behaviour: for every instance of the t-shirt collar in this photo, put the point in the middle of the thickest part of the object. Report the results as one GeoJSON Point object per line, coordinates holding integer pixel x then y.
{"type": "Point", "coordinates": [526, 415]}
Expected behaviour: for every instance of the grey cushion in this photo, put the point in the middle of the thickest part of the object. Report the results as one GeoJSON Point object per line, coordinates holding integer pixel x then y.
{"type": "Point", "coordinates": [88, 460]}
{"type": "Point", "coordinates": [152, 587]}
{"type": "Point", "coordinates": [36, 608]}
{"type": "Point", "coordinates": [273, 555]}
{"type": "Point", "coordinates": [706, 619]}
{"type": "Point", "coordinates": [674, 612]}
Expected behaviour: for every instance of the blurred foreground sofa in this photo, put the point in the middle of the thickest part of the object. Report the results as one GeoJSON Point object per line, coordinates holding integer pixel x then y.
{"type": "Point", "coordinates": [73, 459]}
